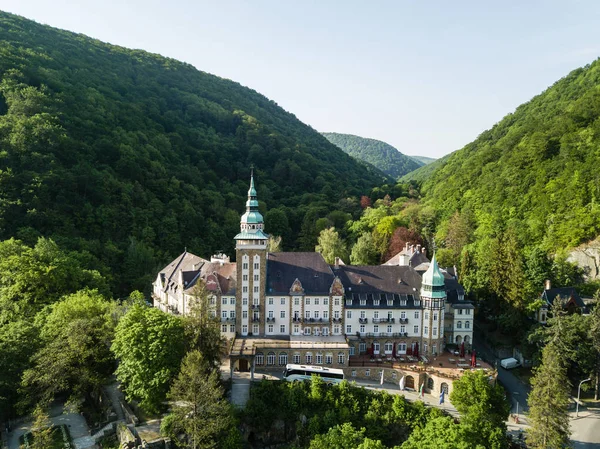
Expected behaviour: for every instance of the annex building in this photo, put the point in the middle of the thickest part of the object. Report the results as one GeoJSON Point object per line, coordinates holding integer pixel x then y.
{"type": "Point", "coordinates": [294, 307]}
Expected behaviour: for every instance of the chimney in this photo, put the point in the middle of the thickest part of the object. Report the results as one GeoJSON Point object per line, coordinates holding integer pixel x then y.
{"type": "Point", "coordinates": [180, 277]}
{"type": "Point", "coordinates": [548, 284]}
{"type": "Point", "coordinates": [424, 251]}
{"type": "Point", "coordinates": [412, 249]}
{"type": "Point", "coordinates": [455, 272]}
{"type": "Point", "coordinates": [418, 248]}
{"type": "Point", "coordinates": [337, 263]}
{"type": "Point", "coordinates": [406, 246]}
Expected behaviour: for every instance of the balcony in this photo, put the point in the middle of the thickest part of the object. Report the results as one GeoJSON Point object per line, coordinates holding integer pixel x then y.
{"type": "Point", "coordinates": [403, 320]}
{"type": "Point", "coordinates": [255, 306]}
{"type": "Point", "coordinates": [337, 320]}
{"type": "Point", "coordinates": [363, 320]}
{"type": "Point", "coordinates": [296, 319]}
{"type": "Point", "coordinates": [315, 320]}
{"type": "Point", "coordinates": [270, 319]}
{"type": "Point", "coordinates": [379, 320]}
{"type": "Point", "coordinates": [391, 320]}
{"type": "Point", "coordinates": [255, 319]}
{"type": "Point", "coordinates": [227, 320]}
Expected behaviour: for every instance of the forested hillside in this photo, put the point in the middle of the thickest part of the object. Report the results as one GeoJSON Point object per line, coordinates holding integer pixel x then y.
{"type": "Point", "coordinates": [127, 157]}
{"type": "Point", "coordinates": [423, 159]}
{"type": "Point", "coordinates": [424, 172]}
{"type": "Point", "coordinates": [377, 153]}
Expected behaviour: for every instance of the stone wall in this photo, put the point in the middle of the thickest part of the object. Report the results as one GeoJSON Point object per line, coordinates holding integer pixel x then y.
{"type": "Point", "coordinates": [413, 379]}
{"type": "Point", "coordinates": [587, 256]}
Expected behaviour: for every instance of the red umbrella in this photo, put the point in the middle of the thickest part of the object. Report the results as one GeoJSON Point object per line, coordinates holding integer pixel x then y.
{"type": "Point", "coordinates": [462, 349]}
{"type": "Point", "coordinates": [473, 359]}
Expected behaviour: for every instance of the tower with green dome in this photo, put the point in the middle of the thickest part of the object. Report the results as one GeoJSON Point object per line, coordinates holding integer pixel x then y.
{"type": "Point", "coordinates": [251, 261]}
{"type": "Point", "coordinates": [433, 297]}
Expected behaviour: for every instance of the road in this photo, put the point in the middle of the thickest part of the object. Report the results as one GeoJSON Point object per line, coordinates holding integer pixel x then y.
{"type": "Point", "coordinates": [585, 428]}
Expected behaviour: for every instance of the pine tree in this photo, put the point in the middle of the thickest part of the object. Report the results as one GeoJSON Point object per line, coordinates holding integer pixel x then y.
{"type": "Point", "coordinates": [549, 396]}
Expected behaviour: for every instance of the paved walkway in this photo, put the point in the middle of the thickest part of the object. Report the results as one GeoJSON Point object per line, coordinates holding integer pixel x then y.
{"type": "Point", "coordinates": [240, 389]}
{"type": "Point", "coordinates": [80, 433]}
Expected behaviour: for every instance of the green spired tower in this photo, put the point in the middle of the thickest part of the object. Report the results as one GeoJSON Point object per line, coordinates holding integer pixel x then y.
{"type": "Point", "coordinates": [251, 261]}
{"type": "Point", "coordinates": [433, 296]}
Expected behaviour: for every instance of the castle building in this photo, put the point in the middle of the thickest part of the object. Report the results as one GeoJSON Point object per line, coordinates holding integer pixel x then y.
{"type": "Point", "coordinates": [289, 307]}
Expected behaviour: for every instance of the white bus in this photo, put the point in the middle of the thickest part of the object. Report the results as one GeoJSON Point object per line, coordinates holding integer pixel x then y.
{"type": "Point", "coordinates": [305, 372]}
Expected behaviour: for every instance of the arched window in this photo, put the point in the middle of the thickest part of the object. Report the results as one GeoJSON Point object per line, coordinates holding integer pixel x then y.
{"type": "Point", "coordinates": [259, 359]}
{"type": "Point", "coordinates": [467, 324]}
{"type": "Point", "coordinates": [328, 358]}
{"type": "Point", "coordinates": [297, 358]}
{"type": "Point", "coordinates": [270, 359]}
{"type": "Point", "coordinates": [458, 339]}
{"type": "Point", "coordinates": [430, 383]}
{"type": "Point", "coordinates": [341, 358]}
{"type": "Point", "coordinates": [283, 359]}
{"type": "Point", "coordinates": [389, 347]}
{"type": "Point", "coordinates": [444, 387]}
{"type": "Point", "coordinates": [459, 324]}
{"type": "Point", "coordinates": [308, 358]}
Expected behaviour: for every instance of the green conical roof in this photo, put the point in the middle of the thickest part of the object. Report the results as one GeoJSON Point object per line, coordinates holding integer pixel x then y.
{"type": "Point", "coordinates": [433, 276]}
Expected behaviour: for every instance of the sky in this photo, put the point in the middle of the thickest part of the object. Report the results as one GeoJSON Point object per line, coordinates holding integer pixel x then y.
{"type": "Point", "coordinates": [424, 76]}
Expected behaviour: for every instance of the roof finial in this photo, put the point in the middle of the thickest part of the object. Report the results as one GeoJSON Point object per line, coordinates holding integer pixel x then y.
{"type": "Point", "coordinates": [252, 170]}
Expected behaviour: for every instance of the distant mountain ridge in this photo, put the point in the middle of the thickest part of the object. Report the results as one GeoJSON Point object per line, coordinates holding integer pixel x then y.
{"type": "Point", "coordinates": [377, 153]}
{"type": "Point", "coordinates": [423, 159]}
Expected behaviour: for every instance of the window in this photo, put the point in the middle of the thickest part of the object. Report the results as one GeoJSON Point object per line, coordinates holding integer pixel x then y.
{"type": "Point", "coordinates": [308, 358]}
{"type": "Point", "coordinates": [376, 314]}
{"type": "Point", "coordinates": [353, 373]}
{"type": "Point", "coordinates": [394, 374]}
{"type": "Point", "coordinates": [426, 316]}
{"type": "Point", "coordinates": [403, 315]}
{"type": "Point", "coordinates": [213, 301]}
{"type": "Point", "coordinates": [416, 329]}
{"type": "Point", "coordinates": [426, 330]}
{"type": "Point", "coordinates": [282, 301]}
{"type": "Point", "coordinates": [468, 312]}
{"type": "Point", "coordinates": [351, 350]}
{"type": "Point", "coordinates": [245, 266]}
{"type": "Point", "coordinates": [316, 314]}
{"type": "Point", "coordinates": [224, 314]}
{"type": "Point", "coordinates": [435, 317]}
{"type": "Point", "coordinates": [270, 314]}
{"type": "Point", "coordinates": [244, 314]}
{"type": "Point", "coordinates": [232, 328]}
{"type": "Point", "coordinates": [376, 328]}
{"type": "Point", "coordinates": [224, 301]}
{"type": "Point", "coordinates": [283, 359]}
{"type": "Point", "coordinates": [402, 329]}
{"type": "Point", "coordinates": [467, 325]}
{"type": "Point", "coordinates": [232, 314]}
{"type": "Point", "coordinates": [341, 358]}
{"type": "Point", "coordinates": [403, 302]}
{"type": "Point", "coordinates": [224, 328]}
{"type": "Point", "coordinates": [362, 348]}
{"type": "Point", "coordinates": [319, 358]}
{"type": "Point", "coordinates": [336, 314]}
{"type": "Point", "coordinates": [282, 314]}
{"type": "Point", "coordinates": [390, 302]}
{"type": "Point", "coordinates": [336, 329]}
{"type": "Point", "coordinates": [270, 301]}
{"type": "Point", "coordinates": [389, 347]}
{"type": "Point", "coordinates": [460, 311]}
{"type": "Point", "coordinates": [255, 329]}
{"type": "Point", "coordinates": [271, 358]}
{"type": "Point", "coordinates": [270, 329]}
{"type": "Point", "coordinates": [244, 277]}
{"type": "Point", "coordinates": [244, 329]}
{"type": "Point", "coordinates": [316, 301]}
{"type": "Point", "coordinates": [325, 331]}
{"type": "Point", "coordinates": [256, 265]}
{"type": "Point", "coordinates": [307, 331]}
{"type": "Point", "coordinates": [245, 289]}
{"type": "Point", "coordinates": [363, 302]}
{"type": "Point", "coordinates": [256, 278]}
{"type": "Point", "coordinates": [244, 301]}
{"type": "Point", "coordinates": [389, 328]}
{"type": "Point", "coordinates": [232, 301]}
{"type": "Point", "coordinates": [259, 359]}
{"type": "Point", "coordinates": [376, 302]}
{"type": "Point", "coordinates": [349, 314]}
{"type": "Point", "coordinates": [459, 324]}
{"type": "Point", "coordinates": [282, 328]}
{"type": "Point", "coordinates": [296, 301]}
{"type": "Point", "coordinates": [307, 301]}
{"type": "Point", "coordinates": [296, 329]}
{"type": "Point", "coordinates": [367, 373]}
{"type": "Point", "coordinates": [416, 315]}
{"type": "Point", "coordinates": [325, 301]}
{"type": "Point", "coordinates": [326, 315]}
{"type": "Point", "coordinates": [417, 302]}
{"type": "Point", "coordinates": [307, 314]}
{"type": "Point", "coordinates": [328, 359]}
{"type": "Point", "coordinates": [363, 314]}
{"type": "Point", "coordinates": [348, 329]}
{"type": "Point", "coordinates": [348, 302]}
{"type": "Point", "coordinates": [256, 287]}
{"type": "Point", "coordinates": [362, 328]}
{"type": "Point", "coordinates": [336, 302]}
{"type": "Point", "coordinates": [390, 315]}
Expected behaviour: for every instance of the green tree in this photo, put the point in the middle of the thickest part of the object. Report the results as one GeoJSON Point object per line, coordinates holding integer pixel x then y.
{"type": "Point", "coordinates": [199, 408]}
{"type": "Point", "coordinates": [548, 401]}
{"type": "Point", "coordinates": [331, 246]}
{"type": "Point", "coordinates": [149, 345]}
{"type": "Point", "coordinates": [483, 409]}
{"type": "Point", "coordinates": [437, 433]}
{"type": "Point", "coordinates": [364, 251]}
{"type": "Point", "coordinates": [41, 429]}
{"type": "Point", "coordinates": [344, 436]}
{"type": "Point", "coordinates": [274, 243]}
{"type": "Point", "coordinates": [75, 355]}
{"type": "Point", "coordinates": [203, 326]}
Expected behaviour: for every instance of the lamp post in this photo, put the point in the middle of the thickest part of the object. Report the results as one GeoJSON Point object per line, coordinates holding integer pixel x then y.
{"type": "Point", "coordinates": [578, 393]}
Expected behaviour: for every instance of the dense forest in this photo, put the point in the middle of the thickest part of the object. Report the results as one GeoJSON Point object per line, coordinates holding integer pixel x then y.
{"type": "Point", "coordinates": [424, 172]}
{"type": "Point", "coordinates": [377, 153]}
{"type": "Point", "coordinates": [423, 159]}
{"type": "Point", "coordinates": [127, 157]}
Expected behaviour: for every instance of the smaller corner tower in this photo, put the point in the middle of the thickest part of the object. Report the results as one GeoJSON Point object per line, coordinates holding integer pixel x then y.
{"type": "Point", "coordinates": [433, 296]}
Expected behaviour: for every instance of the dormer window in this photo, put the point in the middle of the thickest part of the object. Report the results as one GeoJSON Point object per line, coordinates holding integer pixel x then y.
{"type": "Point", "coordinates": [376, 302]}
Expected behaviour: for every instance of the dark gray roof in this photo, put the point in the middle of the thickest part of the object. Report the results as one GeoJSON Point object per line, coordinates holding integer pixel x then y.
{"type": "Point", "coordinates": [310, 269]}
{"type": "Point", "coordinates": [564, 292]}
{"type": "Point", "coordinates": [453, 289]}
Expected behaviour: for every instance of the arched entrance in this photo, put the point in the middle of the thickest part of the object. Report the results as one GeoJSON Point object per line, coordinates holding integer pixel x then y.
{"type": "Point", "coordinates": [458, 339]}
{"type": "Point", "coordinates": [430, 385]}
{"type": "Point", "coordinates": [409, 382]}
{"type": "Point", "coordinates": [444, 387]}
{"type": "Point", "coordinates": [467, 340]}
